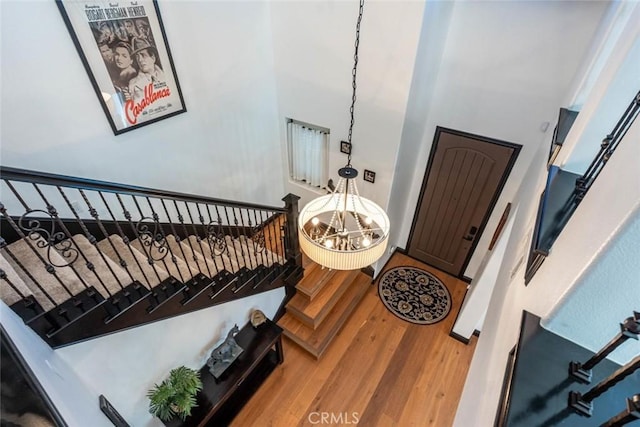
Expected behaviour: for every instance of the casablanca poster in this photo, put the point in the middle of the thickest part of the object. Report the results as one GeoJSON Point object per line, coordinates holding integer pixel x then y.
{"type": "Point", "coordinates": [124, 49]}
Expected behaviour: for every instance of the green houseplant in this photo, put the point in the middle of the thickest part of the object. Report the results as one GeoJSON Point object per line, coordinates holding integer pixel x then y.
{"type": "Point", "coordinates": [176, 395]}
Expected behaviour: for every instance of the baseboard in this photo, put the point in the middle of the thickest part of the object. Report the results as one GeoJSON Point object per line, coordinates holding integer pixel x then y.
{"type": "Point", "coordinates": [459, 338]}
{"type": "Point", "coordinates": [399, 250]}
{"type": "Point", "coordinates": [476, 333]}
{"type": "Point", "coordinates": [466, 279]}
{"type": "Point", "coordinates": [369, 271]}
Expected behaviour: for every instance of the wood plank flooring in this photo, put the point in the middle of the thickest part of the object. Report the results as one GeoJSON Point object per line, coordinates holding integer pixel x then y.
{"type": "Point", "coordinates": [379, 371]}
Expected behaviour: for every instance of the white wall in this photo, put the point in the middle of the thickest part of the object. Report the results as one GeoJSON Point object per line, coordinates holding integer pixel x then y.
{"type": "Point", "coordinates": [474, 307]}
{"type": "Point", "coordinates": [612, 281]}
{"type": "Point", "coordinates": [433, 37]}
{"type": "Point", "coordinates": [226, 145]}
{"type": "Point", "coordinates": [313, 47]}
{"type": "Point", "coordinates": [125, 365]}
{"type": "Point", "coordinates": [609, 97]}
{"type": "Point", "coordinates": [505, 69]}
{"type": "Point", "coordinates": [578, 258]}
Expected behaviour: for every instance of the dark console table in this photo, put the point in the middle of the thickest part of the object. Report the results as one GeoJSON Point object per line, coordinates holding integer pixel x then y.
{"type": "Point", "coordinates": [221, 400]}
{"type": "Point", "coordinates": [537, 384]}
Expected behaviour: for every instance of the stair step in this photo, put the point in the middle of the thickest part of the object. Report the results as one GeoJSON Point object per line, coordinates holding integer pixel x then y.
{"type": "Point", "coordinates": [16, 294]}
{"type": "Point", "coordinates": [196, 263]}
{"type": "Point", "coordinates": [242, 254]}
{"type": "Point", "coordinates": [112, 276]}
{"type": "Point", "coordinates": [221, 262]}
{"type": "Point", "coordinates": [314, 279]}
{"type": "Point", "coordinates": [136, 262]}
{"type": "Point", "coordinates": [23, 251]}
{"type": "Point", "coordinates": [8, 294]}
{"type": "Point", "coordinates": [164, 256]}
{"type": "Point", "coordinates": [313, 312]}
{"type": "Point", "coordinates": [318, 340]}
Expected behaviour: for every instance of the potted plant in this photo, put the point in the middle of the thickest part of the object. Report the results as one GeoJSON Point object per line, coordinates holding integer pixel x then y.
{"type": "Point", "coordinates": [176, 395]}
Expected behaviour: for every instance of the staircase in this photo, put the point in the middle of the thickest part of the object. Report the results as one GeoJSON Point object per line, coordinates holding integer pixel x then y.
{"type": "Point", "coordinates": [322, 305]}
{"type": "Point", "coordinates": [81, 258]}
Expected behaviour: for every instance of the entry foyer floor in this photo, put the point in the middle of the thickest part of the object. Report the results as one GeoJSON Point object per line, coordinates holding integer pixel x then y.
{"type": "Point", "coordinates": [379, 371]}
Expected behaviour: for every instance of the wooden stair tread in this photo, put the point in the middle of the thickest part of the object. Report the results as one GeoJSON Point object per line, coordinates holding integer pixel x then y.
{"type": "Point", "coordinates": [313, 312]}
{"type": "Point", "coordinates": [315, 277]}
{"type": "Point", "coordinates": [317, 341]}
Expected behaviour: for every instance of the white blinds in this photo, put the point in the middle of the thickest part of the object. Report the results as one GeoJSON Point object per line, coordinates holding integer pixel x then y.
{"type": "Point", "coordinates": [308, 153]}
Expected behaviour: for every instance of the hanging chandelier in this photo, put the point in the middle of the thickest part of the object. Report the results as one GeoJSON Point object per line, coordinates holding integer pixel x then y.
{"type": "Point", "coordinates": [342, 230]}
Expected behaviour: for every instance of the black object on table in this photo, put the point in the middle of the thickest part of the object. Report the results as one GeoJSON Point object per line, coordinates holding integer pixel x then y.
{"type": "Point", "coordinates": [221, 400]}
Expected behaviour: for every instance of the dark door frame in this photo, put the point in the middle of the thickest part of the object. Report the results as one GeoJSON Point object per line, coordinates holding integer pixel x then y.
{"type": "Point", "coordinates": [494, 199]}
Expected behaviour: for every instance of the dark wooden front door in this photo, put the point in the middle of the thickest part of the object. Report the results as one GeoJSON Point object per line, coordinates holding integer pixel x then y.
{"type": "Point", "coordinates": [463, 181]}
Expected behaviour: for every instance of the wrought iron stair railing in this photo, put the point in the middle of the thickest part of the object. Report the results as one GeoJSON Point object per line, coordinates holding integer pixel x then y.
{"type": "Point", "coordinates": [81, 258]}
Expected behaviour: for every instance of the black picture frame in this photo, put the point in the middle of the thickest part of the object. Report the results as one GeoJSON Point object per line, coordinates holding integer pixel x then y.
{"type": "Point", "coordinates": [369, 176]}
{"type": "Point", "coordinates": [124, 49]}
{"type": "Point", "coordinates": [345, 147]}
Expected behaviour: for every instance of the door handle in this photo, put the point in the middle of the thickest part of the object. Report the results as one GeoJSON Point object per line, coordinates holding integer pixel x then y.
{"type": "Point", "coordinates": [472, 233]}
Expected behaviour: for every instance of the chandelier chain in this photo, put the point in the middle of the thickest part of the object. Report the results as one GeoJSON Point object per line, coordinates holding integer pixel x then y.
{"type": "Point", "coordinates": [353, 74]}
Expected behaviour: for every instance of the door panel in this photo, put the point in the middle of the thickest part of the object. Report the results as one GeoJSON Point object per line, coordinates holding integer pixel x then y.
{"type": "Point", "coordinates": [463, 181]}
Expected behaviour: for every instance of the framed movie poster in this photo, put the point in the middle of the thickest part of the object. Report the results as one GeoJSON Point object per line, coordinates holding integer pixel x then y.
{"type": "Point", "coordinates": [124, 49]}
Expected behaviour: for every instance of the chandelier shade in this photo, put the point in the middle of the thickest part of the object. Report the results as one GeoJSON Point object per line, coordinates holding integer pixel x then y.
{"type": "Point", "coordinates": [342, 230]}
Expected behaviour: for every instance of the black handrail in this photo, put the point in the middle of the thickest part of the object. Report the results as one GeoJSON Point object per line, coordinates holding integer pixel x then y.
{"type": "Point", "coordinates": [24, 175]}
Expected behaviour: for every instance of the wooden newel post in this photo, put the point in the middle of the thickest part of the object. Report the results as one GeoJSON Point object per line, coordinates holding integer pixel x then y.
{"type": "Point", "coordinates": [291, 244]}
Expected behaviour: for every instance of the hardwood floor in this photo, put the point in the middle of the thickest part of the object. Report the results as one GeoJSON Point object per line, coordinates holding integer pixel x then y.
{"type": "Point", "coordinates": [379, 371]}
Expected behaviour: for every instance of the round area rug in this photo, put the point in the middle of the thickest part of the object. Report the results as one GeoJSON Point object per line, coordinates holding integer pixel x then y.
{"type": "Point", "coordinates": [414, 295]}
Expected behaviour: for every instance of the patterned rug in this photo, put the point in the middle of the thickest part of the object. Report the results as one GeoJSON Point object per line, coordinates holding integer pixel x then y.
{"type": "Point", "coordinates": [414, 295]}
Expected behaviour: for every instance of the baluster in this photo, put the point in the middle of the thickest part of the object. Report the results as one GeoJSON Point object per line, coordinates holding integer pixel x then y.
{"type": "Point", "coordinates": [48, 267]}
{"type": "Point", "coordinates": [3, 274]}
{"type": "Point", "coordinates": [195, 230]}
{"type": "Point", "coordinates": [282, 222]}
{"type": "Point", "coordinates": [220, 243]}
{"type": "Point", "coordinates": [128, 216]}
{"type": "Point", "coordinates": [255, 237]}
{"type": "Point", "coordinates": [243, 251]}
{"type": "Point", "coordinates": [178, 239]}
{"type": "Point", "coordinates": [94, 214]}
{"type": "Point", "coordinates": [164, 241]}
{"type": "Point", "coordinates": [186, 233]}
{"type": "Point", "coordinates": [629, 415]}
{"type": "Point", "coordinates": [211, 234]}
{"type": "Point", "coordinates": [92, 240]}
{"type": "Point", "coordinates": [258, 239]}
{"type": "Point", "coordinates": [29, 275]}
{"type": "Point", "coordinates": [54, 214]}
{"type": "Point", "coordinates": [583, 403]}
{"type": "Point", "coordinates": [266, 235]}
{"type": "Point", "coordinates": [629, 328]}
{"type": "Point", "coordinates": [142, 230]}
{"type": "Point", "coordinates": [201, 218]}
{"type": "Point", "coordinates": [226, 213]}
{"type": "Point", "coordinates": [125, 240]}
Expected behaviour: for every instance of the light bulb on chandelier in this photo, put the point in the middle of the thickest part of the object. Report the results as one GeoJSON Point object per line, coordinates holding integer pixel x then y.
{"type": "Point", "coordinates": [342, 230]}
